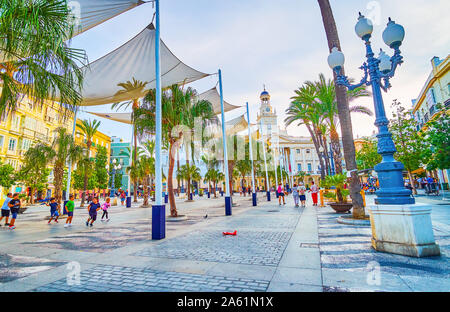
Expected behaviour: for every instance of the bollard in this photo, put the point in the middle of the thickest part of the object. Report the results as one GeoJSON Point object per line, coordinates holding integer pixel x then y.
{"type": "Point", "coordinates": [129, 202]}
{"type": "Point", "coordinates": [321, 199]}
{"type": "Point", "coordinates": [363, 194]}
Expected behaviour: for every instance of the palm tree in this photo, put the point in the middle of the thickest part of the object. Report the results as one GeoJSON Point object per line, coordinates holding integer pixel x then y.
{"type": "Point", "coordinates": [244, 167]}
{"type": "Point", "coordinates": [135, 154]}
{"type": "Point", "coordinates": [34, 59]}
{"type": "Point", "coordinates": [65, 150]}
{"type": "Point", "coordinates": [327, 107]}
{"type": "Point", "coordinates": [178, 108]}
{"type": "Point", "coordinates": [131, 86]}
{"type": "Point", "coordinates": [189, 173]}
{"type": "Point", "coordinates": [344, 113]}
{"type": "Point", "coordinates": [88, 128]}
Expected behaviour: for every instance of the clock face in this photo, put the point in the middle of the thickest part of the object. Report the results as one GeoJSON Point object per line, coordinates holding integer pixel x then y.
{"type": "Point", "coordinates": [268, 109]}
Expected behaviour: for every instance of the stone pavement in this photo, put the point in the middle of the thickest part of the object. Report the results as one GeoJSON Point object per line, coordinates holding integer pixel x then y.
{"type": "Point", "coordinates": [277, 248]}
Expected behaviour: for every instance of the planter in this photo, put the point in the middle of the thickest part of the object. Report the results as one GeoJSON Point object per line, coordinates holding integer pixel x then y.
{"type": "Point", "coordinates": [341, 207]}
{"type": "Point", "coordinates": [348, 220]}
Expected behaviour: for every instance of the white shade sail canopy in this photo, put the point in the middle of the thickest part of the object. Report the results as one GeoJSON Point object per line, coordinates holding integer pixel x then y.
{"type": "Point", "coordinates": [133, 60]}
{"type": "Point", "coordinates": [90, 13]}
{"type": "Point", "coordinates": [213, 97]}
{"type": "Point", "coordinates": [119, 117]}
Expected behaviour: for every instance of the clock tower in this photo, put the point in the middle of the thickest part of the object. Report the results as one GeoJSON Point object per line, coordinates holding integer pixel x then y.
{"type": "Point", "coordinates": [266, 112]}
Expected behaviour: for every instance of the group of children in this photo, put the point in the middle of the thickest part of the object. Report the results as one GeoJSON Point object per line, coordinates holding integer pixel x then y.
{"type": "Point", "coordinates": [12, 204]}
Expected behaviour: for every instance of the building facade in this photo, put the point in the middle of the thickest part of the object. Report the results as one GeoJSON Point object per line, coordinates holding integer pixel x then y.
{"type": "Point", "coordinates": [435, 92]}
{"type": "Point", "coordinates": [99, 139]}
{"type": "Point", "coordinates": [120, 152]}
{"type": "Point", "coordinates": [29, 124]}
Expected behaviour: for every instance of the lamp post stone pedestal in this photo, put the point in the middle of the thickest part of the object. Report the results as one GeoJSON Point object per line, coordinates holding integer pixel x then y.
{"type": "Point", "coordinates": [399, 225]}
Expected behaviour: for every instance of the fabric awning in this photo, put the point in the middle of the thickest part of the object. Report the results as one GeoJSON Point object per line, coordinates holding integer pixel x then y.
{"type": "Point", "coordinates": [90, 13]}
{"type": "Point", "coordinates": [213, 97]}
{"type": "Point", "coordinates": [133, 60]}
{"type": "Point", "coordinates": [119, 117]}
{"type": "Point", "coordinates": [236, 125]}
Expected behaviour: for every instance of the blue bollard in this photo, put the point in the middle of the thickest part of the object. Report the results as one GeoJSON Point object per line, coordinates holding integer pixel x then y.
{"type": "Point", "coordinates": [129, 202]}
{"type": "Point", "coordinates": [166, 198]}
{"type": "Point", "coordinates": [227, 205]}
{"type": "Point", "coordinates": [158, 222]}
{"type": "Point", "coordinates": [254, 199]}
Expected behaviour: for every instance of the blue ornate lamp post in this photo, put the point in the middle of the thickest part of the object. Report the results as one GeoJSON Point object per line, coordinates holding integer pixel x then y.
{"type": "Point", "coordinates": [115, 167]}
{"type": "Point", "coordinates": [377, 72]}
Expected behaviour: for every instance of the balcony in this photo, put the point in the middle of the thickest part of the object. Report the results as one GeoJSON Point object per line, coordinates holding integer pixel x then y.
{"type": "Point", "coordinates": [433, 110]}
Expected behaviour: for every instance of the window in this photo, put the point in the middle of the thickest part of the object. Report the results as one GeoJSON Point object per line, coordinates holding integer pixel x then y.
{"type": "Point", "coordinates": [12, 145]}
{"type": "Point", "coordinates": [106, 146]}
{"type": "Point", "coordinates": [1, 142]}
{"type": "Point", "coordinates": [15, 123]}
{"type": "Point", "coordinates": [308, 151]}
{"type": "Point", "coordinates": [309, 167]}
{"type": "Point", "coordinates": [26, 144]}
{"type": "Point", "coordinates": [298, 151]}
{"type": "Point", "coordinates": [299, 167]}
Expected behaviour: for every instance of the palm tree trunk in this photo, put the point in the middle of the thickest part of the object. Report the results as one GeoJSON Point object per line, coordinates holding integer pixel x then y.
{"type": "Point", "coordinates": [344, 113]}
{"type": "Point", "coordinates": [414, 190]}
{"type": "Point", "coordinates": [59, 176]}
{"type": "Point", "coordinates": [317, 147]}
{"type": "Point", "coordinates": [145, 183]}
{"type": "Point", "coordinates": [173, 207]}
{"type": "Point", "coordinates": [215, 186]}
{"type": "Point", "coordinates": [178, 168]}
{"type": "Point", "coordinates": [336, 150]}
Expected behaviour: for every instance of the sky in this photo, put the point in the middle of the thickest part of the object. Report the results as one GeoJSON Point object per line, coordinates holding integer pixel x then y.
{"type": "Point", "coordinates": [280, 44]}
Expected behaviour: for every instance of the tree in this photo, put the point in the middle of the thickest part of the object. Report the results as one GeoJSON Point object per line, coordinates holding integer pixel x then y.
{"type": "Point", "coordinates": [131, 86]}
{"type": "Point", "coordinates": [34, 172]}
{"type": "Point", "coordinates": [412, 148]}
{"type": "Point", "coordinates": [146, 169]}
{"type": "Point", "coordinates": [101, 173]}
{"type": "Point", "coordinates": [344, 113]}
{"type": "Point", "coordinates": [189, 173]}
{"type": "Point", "coordinates": [368, 156]}
{"type": "Point", "coordinates": [88, 128]}
{"type": "Point", "coordinates": [438, 136]}
{"type": "Point", "coordinates": [6, 175]}
{"type": "Point", "coordinates": [178, 108]}
{"type": "Point", "coordinates": [34, 58]}
{"type": "Point", "coordinates": [65, 150]}
{"type": "Point", "coordinates": [135, 155]}
{"type": "Point", "coordinates": [85, 168]}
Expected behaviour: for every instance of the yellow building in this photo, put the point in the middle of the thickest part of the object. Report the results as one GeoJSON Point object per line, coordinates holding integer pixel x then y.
{"type": "Point", "coordinates": [29, 124]}
{"type": "Point", "coordinates": [435, 92]}
{"type": "Point", "coordinates": [99, 139]}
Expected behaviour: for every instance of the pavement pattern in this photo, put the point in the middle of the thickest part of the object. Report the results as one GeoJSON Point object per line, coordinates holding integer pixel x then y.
{"type": "Point", "coordinates": [277, 248]}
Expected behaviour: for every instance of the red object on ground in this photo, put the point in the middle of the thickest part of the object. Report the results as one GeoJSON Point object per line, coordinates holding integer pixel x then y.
{"type": "Point", "coordinates": [229, 233]}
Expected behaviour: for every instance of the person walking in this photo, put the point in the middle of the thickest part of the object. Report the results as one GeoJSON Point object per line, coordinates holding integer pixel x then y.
{"type": "Point", "coordinates": [301, 190]}
{"type": "Point", "coordinates": [280, 191]}
{"type": "Point", "coordinates": [5, 209]}
{"type": "Point", "coordinates": [314, 190]}
{"type": "Point", "coordinates": [54, 210]}
{"type": "Point", "coordinates": [14, 205]}
{"type": "Point", "coordinates": [295, 195]}
{"type": "Point", "coordinates": [123, 196]}
{"type": "Point", "coordinates": [106, 205]}
{"type": "Point", "coordinates": [70, 207]}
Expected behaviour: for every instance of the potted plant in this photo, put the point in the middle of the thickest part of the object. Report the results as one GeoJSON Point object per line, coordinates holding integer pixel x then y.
{"type": "Point", "coordinates": [341, 205]}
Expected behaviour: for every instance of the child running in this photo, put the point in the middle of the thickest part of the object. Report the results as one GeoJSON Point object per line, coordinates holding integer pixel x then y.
{"type": "Point", "coordinates": [70, 207]}
{"type": "Point", "coordinates": [93, 208]}
{"type": "Point", "coordinates": [301, 190]}
{"type": "Point", "coordinates": [106, 205]}
{"type": "Point", "coordinates": [5, 209]}
{"type": "Point", "coordinates": [54, 207]}
{"type": "Point", "coordinates": [14, 204]}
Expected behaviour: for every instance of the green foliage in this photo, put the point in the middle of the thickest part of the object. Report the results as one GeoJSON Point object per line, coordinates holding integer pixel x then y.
{"type": "Point", "coordinates": [100, 171]}
{"type": "Point", "coordinates": [6, 175]}
{"type": "Point", "coordinates": [439, 138]}
{"type": "Point", "coordinates": [338, 182]}
{"type": "Point", "coordinates": [34, 172]}
{"type": "Point", "coordinates": [35, 59]}
{"type": "Point", "coordinates": [368, 156]}
{"type": "Point", "coordinates": [412, 148]}
{"type": "Point", "coordinates": [84, 167]}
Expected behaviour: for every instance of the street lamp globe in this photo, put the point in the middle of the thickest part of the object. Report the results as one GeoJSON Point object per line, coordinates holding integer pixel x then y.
{"type": "Point", "coordinates": [364, 27]}
{"type": "Point", "coordinates": [321, 149]}
{"type": "Point", "coordinates": [119, 167]}
{"type": "Point", "coordinates": [385, 62]}
{"type": "Point", "coordinates": [336, 59]}
{"type": "Point", "coordinates": [394, 34]}
{"type": "Point", "coordinates": [114, 161]}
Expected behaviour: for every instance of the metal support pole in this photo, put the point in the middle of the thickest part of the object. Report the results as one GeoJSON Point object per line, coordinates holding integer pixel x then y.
{"type": "Point", "coordinates": [265, 161]}
{"type": "Point", "coordinates": [159, 209]}
{"type": "Point", "coordinates": [69, 171]}
{"type": "Point", "coordinates": [225, 153]}
{"type": "Point", "coordinates": [251, 158]}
